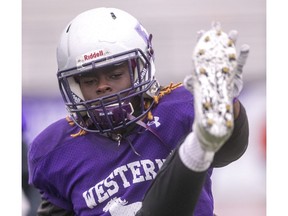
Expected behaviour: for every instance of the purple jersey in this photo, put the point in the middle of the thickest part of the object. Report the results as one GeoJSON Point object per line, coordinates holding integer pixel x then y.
{"type": "Point", "coordinates": [94, 175]}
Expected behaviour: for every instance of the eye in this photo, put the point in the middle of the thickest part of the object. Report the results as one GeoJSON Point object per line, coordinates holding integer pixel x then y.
{"type": "Point", "coordinates": [116, 75]}
{"type": "Point", "coordinates": [89, 81]}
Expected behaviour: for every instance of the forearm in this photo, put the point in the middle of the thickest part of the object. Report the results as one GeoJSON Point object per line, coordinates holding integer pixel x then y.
{"type": "Point", "coordinates": [46, 208]}
{"type": "Point", "coordinates": [237, 144]}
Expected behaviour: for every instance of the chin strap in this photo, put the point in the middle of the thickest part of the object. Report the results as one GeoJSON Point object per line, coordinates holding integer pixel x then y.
{"type": "Point", "coordinates": [144, 125]}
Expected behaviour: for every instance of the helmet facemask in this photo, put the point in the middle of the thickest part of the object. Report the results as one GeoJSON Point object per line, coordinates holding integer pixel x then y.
{"type": "Point", "coordinates": [112, 112]}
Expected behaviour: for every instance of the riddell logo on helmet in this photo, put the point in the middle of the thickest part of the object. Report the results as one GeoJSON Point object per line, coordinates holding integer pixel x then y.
{"type": "Point", "coordinates": [93, 55]}
{"type": "Point", "coordinates": [90, 56]}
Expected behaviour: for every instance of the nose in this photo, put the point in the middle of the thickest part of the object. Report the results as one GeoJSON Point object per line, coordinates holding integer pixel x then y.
{"type": "Point", "coordinates": [103, 87]}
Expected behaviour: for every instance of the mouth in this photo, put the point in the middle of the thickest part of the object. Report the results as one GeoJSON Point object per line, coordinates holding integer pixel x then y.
{"type": "Point", "coordinates": [112, 115]}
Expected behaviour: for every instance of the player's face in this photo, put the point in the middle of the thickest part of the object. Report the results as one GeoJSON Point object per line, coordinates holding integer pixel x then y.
{"type": "Point", "coordinates": [105, 81]}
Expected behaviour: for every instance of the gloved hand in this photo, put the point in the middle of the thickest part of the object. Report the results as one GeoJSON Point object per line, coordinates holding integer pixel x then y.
{"type": "Point", "coordinates": [238, 70]}
{"type": "Point", "coordinates": [216, 80]}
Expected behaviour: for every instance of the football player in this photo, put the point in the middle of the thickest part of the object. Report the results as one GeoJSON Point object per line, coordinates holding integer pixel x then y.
{"type": "Point", "coordinates": [130, 146]}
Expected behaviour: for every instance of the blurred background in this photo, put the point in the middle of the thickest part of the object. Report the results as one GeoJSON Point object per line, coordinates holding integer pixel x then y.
{"type": "Point", "coordinates": [240, 188]}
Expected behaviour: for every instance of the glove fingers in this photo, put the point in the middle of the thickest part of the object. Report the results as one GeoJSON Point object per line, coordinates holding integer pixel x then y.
{"type": "Point", "coordinates": [188, 83]}
{"type": "Point", "coordinates": [199, 34]}
{"type": "Point", "coordinates": [233, 34]}
{"type": "Point", "coordinates": [244, 52]}
{"type": "Point", "coordinates": [238, 80]}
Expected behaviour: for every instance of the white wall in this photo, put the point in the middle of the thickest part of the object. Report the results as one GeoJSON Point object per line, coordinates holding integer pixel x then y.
{"type": "Point", "coordinates": [174, 25]}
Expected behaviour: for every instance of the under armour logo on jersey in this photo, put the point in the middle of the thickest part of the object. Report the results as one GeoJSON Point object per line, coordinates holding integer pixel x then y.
{"type": "Point", "coordinates": [156, 122]}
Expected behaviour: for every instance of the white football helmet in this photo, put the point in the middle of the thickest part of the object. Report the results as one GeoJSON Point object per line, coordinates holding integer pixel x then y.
{"type": "Point", "coordinates": [98, 38]}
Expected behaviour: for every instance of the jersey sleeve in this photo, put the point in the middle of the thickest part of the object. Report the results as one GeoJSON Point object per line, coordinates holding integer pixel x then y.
{"type": "Point", "coordinates": [42, 173]}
